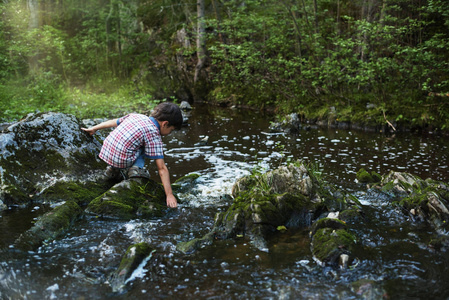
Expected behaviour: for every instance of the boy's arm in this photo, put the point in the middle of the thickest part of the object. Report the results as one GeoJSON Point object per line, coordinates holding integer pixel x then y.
{"type": "Point", "coordinates": [165, 178]}
{"type": "Point", "coordinates": [105, 124]}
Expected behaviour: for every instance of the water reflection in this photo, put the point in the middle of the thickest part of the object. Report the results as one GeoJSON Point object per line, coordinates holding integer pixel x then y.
{"type": "Point", "coordinates": [240, 142]}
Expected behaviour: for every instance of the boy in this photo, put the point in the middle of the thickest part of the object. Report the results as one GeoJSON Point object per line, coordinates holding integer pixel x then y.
{"type": "Point", "coordinates": [138, 136]}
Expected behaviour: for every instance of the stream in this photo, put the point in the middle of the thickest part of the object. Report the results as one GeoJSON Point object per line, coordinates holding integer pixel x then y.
{"type": "Point", "coordinates": [392, 250]}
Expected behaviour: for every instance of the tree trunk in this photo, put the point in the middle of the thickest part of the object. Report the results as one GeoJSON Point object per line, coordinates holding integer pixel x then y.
{"type": "Point", "coordinates": [33, 6]}
{"type": "Point", "coordinates": [200, 40]}
{"type": "Point", "coordinates": [315, 10]}
{"type": "Point", "coordinates": [218, 17]}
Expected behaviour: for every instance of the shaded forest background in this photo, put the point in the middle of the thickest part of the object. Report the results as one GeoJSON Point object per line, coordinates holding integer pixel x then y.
{"type": "Point", "coordinates": [367, 61]}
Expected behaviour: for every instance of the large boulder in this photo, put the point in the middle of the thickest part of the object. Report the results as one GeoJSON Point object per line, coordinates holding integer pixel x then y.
{"type": "Point", "coordinates": [289, 196]}
{"type": "Point", "coordinates": [41, 150]}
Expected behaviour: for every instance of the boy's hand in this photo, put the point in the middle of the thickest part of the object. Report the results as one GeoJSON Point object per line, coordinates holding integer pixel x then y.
{"type": "Point", "coordinates": [89, 130]}
{"type": "Point", "coordinates": [171, 201]}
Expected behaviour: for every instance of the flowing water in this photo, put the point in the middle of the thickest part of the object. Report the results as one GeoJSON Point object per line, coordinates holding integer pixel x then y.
{"type": "Point", "coordinates": [392, 251]}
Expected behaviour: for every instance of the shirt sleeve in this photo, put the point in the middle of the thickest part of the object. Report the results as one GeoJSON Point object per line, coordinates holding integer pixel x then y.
{"type": "Point", "coordinates": [120, 120]}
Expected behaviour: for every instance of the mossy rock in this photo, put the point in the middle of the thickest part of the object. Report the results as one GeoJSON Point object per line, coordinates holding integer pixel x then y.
{"type": "Point", "coordinates": [185, 183]}
{"type": "Point", "coordinates": [439, 243]}
{"type": "Point", "coordinates": [329, 244]}
{"type": "Point", "coordinates": [364, 176]}
{"type": "Point", "coordinates": [195, 244]}
{"type": "Point", "coordinates": [400, 184]}
{"type": "Point", "coordinates": [424, 200]}
{"type": "Point", "coordinates": [136, 197]}
{"type": "Point", "coordinates": [289, 196]}
{"type": "Point", "coordinates": [49, 226]}
{"type": "Point", "coordinates": [327, 223]}
{"type": "Point", "coordinates": [42, 149]}
{"type": "Point", "coordinates": [134, 256]}
{"type": "Point", "coordinates": [80, 192]}
{"type": "Point", "coordinates": [352, 215]}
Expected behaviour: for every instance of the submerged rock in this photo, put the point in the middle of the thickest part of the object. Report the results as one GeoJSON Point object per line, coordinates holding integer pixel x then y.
{"type": "Point", "coordinates": [136, 255]}
{"type": "Point", "coordinates": [49, 226]}
{"type": "Point", "coordinates": [43, 149]}
{"type": "Point", "coordinates": [369, 289]}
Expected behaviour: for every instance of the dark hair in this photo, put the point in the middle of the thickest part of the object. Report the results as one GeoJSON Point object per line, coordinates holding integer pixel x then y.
{"type": "Point", "coordinates": [168, 111]}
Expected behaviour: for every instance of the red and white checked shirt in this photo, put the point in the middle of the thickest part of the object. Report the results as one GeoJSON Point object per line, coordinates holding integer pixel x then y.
{"type": "Point", "coordinates": [134, 132]}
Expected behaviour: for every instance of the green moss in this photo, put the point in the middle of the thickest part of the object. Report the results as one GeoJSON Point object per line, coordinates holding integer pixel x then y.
{"type": "Point", "coordinates": [327, 223]}
{"type": "Point", "coordinates": [80, 192]}
{"type": "Point", "coordinates": [195, 244]}
{"type": "Point", "coordinates": [114, 209]}
{"type": "Point", "coordinates": [134, 256]}
{"type": "Point", "coordinates": [364, 176]}
{"type": "Point", "coordinates": [184, 183]}
{"type": "Point", "coordinates": [187, 178]}
{"type": "Point", "coordinates": [50, 226]}
{"type": "Point", "coordinates": [376, 177]}
{"type": "Point", "coordinates": [351, 215]}
{"type": "Point", "coordinates": [328, 244]}
{"type": "Point", "coordinates": [130, 199]}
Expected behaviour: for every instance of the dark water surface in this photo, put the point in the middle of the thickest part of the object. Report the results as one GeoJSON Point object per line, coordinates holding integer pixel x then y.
{"type": "Point", "coordinates": [393, 252]}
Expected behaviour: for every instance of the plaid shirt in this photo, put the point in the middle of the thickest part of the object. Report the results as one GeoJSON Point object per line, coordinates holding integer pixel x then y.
{"type": "Point", "coordinates": [134, 132]}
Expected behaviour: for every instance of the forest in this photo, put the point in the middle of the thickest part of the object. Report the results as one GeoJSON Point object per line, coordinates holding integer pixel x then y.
{"type": "Point", "coordinates": [369, 61]}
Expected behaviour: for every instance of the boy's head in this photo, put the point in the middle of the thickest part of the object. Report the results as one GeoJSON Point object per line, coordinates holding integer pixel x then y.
{"type": "Point", "coordinates": [168, 111]}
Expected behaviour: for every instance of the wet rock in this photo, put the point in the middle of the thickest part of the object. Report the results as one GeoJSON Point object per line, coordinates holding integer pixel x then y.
{"type": "Point", "coordinates": [294, 179]}
{"type": "Point", "coordinates": [80, 192]}
{"type": "Point", "coordinates": [185, 183]}
{"type": "Point", "coordinates": [43, 149]}
{"type": "Point", "coordinates": [332, 243]}
{"type": "Point", "coordinates": [129, 199]}
{"type": "Point", "coordinates": [399, 184]}
{"type": "Point", "coordinates": [136, 255]}
{"type": "Point", "coordinates": [423, 200]}
{"type": "Point", "coordinates": [333, 246]}
{"type": "Point", "coordinates": [195, 244]}
{"type": "Point", "coordinates": [327, 223]}
{"type": "Point", "coordinates": [352, 215]}
{"type": "Point", "coordinates": [49, 226]}
{"type": "Point", "coordinates": [289, 196]}
{"type": "Point", "coordinates": [364, 176]}
{"type": "Point", "coordinates": [289, 124]}
{"type": "Point", "coordinates": [369, 289]}
{"type": "Point", "coordinates": [185, 106]}
{"type": "Point", "coordinates": [439, 243]}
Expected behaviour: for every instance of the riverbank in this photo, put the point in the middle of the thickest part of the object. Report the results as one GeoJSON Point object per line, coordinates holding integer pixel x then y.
{"type": "Point", "coordinates": [369, 119]}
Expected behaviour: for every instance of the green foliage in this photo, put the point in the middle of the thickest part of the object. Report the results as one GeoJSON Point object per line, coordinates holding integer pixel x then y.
{"type": "Point", "coordinates": [304, 56]}
{"type": "Point", "coordinates": [289, 55]}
